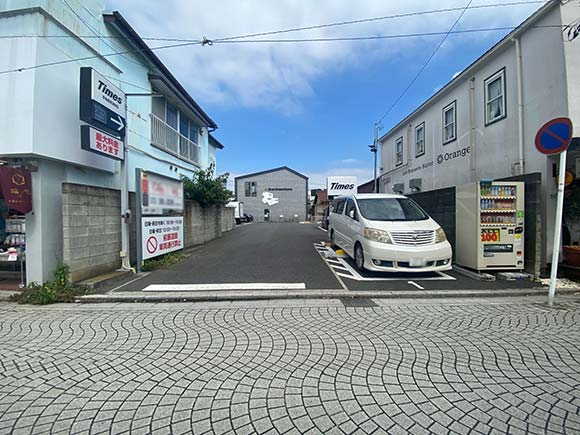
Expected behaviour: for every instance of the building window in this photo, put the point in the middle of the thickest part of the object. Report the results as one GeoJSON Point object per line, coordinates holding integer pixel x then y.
{"type": "Point", "coordinates": [399, 151]}
{"type": "Point", "coordinates": [495, 97]}
{"type": "Point", "coordinates": [251, 188]}
{"type": "Point", "coordinates": [174, 132]}
{"type": "Point", "coordinates": [449, 123]}
{"type": "Point", "coordinates": [420, 140]}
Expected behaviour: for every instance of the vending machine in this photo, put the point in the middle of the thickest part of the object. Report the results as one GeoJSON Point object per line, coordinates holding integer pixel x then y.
{"type": "Point", "coordinates": [490, 225]}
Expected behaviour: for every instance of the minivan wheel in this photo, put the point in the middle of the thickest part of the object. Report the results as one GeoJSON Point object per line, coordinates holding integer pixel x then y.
{"type": "Point", "coordinates": [332, 243]}
{"type": "Point", "coordinates": [359, 257]}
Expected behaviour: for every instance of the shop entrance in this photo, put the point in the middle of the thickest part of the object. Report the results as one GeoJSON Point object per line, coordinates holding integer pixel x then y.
{"type": "Point", "coordinates": [15, 202]}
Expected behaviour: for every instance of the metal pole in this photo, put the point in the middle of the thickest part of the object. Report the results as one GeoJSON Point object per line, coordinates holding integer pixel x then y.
{"type": "Point", "coordinates": [138, 217]}
{"type": "Point", "coordinates": [125, 262]}
{"type": "Point", "coordinates": [375, 184]}
{"type": "Point", "coordinates": [558, 228]}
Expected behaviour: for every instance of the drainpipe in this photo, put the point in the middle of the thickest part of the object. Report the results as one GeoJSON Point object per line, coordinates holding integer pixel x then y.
{"type": "Point", "coordinates": [472, 127]}
{"type": "Point", "coordinates": [521, 162]}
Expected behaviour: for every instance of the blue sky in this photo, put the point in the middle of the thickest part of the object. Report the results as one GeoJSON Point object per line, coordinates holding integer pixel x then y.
{"type": "Point", "coordinates": [311, 106]}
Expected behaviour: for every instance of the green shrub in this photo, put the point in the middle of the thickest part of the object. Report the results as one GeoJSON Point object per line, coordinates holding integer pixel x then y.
{"type": "Point", "coordinates": [163, 261]}
{"type": "Point", "coordinates": [206, 189]}
{"type": "Point", "coordinates": [58, 290]}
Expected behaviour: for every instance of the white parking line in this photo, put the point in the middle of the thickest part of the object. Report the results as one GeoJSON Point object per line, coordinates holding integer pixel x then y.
{"type": "Point", "coordinates": [211, 287]}
{"type": "Point", "coordinates": [416, 285]}
{"type": "Point", "coordinates": [322, 229]}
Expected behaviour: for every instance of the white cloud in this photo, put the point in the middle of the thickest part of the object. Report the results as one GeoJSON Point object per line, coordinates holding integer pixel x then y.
{"type": "Point", "coordinates": [282, 76]}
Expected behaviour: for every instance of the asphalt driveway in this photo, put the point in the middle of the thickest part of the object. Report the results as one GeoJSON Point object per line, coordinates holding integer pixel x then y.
{"type": "Point", "coordinates": [254, 253]}
{"type": "Point", "coordinates": [287, 254]}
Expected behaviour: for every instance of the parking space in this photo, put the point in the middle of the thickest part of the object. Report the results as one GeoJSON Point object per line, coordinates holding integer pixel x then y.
{"type": "Point", "coordinates": [289, 257]}
{"type": "Point", "coordinates": [345, 269]}
{"type": "Point", "coordinates": [276, 256]}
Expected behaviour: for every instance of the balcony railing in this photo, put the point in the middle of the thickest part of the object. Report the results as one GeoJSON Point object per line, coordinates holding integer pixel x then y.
{"type": "Point", "coordinates": [169, 139]}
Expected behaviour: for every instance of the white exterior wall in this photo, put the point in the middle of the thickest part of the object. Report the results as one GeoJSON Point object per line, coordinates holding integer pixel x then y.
{"type": "Point", "coordinates": [39, 114]}
{"type": "Point", "coordinates": [549, 69]}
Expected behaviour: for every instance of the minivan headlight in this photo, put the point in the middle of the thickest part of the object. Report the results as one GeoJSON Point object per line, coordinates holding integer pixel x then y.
{"type": "Point", "coordinates": [440, 236]}
{"type": "Point", "coordinates": [377, 235]}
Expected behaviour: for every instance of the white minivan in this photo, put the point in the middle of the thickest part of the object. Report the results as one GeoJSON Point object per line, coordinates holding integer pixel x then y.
{"type": "Point", "coordinates": [390, 233]}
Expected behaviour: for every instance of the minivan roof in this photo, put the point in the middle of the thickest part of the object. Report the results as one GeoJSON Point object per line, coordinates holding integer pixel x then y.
{"type": "Point", "coordinates": [372, 196]}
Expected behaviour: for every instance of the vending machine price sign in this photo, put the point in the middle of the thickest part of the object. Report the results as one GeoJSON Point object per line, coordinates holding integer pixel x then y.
{"type": "Point", "coordinates": [490, 235]}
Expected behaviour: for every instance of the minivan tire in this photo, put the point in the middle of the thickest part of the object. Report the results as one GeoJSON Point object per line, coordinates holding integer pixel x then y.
{"type": "Point", "coordinates": [332, 243]}
{"type": "Point", "coordinates": [359, 257]}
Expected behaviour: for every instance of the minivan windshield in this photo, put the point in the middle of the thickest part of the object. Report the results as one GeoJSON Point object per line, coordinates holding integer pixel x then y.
{"type": "Point", "coordinates": [391, 209]}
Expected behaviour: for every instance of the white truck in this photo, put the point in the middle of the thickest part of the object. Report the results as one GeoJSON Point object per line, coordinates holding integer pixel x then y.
{"type": "Point", "coordinates": [238, 207]}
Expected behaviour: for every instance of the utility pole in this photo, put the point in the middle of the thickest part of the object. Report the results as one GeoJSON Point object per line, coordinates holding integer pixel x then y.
{"type": "Point", "coordinates": [374, 150]}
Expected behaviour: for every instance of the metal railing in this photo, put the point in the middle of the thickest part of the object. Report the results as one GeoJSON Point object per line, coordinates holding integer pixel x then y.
{"type": "Point", "coordinates": [169, 139]}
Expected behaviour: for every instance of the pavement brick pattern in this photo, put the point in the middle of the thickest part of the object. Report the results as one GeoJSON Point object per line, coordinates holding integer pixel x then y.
{"type": "Point", "coordinates": [324, 368]}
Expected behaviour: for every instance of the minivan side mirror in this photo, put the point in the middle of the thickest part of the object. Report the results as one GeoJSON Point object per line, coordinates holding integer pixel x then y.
{"type": "Point", "coordinates": [352, 214]}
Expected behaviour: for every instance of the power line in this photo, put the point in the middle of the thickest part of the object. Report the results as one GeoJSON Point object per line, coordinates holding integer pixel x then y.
{"type": "Point", "coordinates": [97, 56]}
{"type": "Point", "coordinates": [427, 62]}
{"type": "Point", "coordinates": [296, 29]}
{"type": "Point", "coordinates": [367, 20]}
{"type": "Point", "coordinates": [96, 32]}
{"type": "Point", "coordinates": [191, 43]}
{"type": "Point", "coordinates": [379, 37]}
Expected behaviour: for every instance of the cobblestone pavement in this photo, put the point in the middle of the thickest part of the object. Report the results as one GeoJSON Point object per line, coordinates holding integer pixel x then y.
{"type": "Point", "coordinates": [301, 367]}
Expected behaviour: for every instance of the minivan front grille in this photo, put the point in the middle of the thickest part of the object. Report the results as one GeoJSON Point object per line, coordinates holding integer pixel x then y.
{"type": "Point", "coordinates": [413, 238]}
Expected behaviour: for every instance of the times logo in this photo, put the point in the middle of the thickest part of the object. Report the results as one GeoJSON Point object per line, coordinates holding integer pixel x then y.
{"type": "Point", "coordinates": [341, 186]}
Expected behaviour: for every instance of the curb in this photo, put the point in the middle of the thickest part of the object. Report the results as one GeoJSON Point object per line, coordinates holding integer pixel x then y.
{"type": "Point", "coordinates": [310, 294]}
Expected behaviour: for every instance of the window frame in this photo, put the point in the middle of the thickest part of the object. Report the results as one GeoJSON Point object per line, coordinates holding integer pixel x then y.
{"type": "Point", "coordinates": [420, 126]}
{"type": "Point", "coordinates": [500, 74]}
{"type": "Point", "coordinates": [452, 105]}
{"type": "Point", "coordinates": [248, 192]}
{"type": "Point", "coordinates": [397, 141]}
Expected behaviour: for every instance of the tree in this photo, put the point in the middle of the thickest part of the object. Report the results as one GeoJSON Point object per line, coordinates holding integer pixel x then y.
{"type": "Point", "coordinates": [207, 189]}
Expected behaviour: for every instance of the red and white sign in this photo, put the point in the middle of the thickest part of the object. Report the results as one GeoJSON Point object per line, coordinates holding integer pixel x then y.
{"type": "Point", "coordinates": [160, 235]}
{"type": "Point", "coordinates": [101, 143]}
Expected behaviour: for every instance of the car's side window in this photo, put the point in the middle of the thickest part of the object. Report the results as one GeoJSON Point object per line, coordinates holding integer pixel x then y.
{"type": "Point", "coordinates": [350, 207]}
{"type": "Point", "coordinates": [339, 207]}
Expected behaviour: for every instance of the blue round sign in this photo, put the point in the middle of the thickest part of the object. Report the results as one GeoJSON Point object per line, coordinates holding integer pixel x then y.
{"type": "Point", "coordinates": [554, 136]}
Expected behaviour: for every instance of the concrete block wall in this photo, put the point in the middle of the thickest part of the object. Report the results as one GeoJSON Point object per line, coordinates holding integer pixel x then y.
{"type": "Point", "coordinates": [201, 224]}
{"type": "Point", "coordinates": [91, 230]}
{"type": "Point", "coordinates": [228, 219]}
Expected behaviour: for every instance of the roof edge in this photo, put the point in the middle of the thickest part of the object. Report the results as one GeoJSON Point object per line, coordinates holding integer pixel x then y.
{"type": "Point", "coordinates": [124, 27]}
{"type": "Point", "coordinates": [539, 13]}
{"type": "Point", "coordinates": [281, 168]}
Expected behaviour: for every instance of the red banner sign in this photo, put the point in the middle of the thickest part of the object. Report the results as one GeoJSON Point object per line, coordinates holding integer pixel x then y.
{"type": "Point", "coordinates": [16, 188]}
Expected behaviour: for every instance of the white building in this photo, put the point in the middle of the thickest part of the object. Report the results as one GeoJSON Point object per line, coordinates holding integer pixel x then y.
{"type": "Point", "coordinates": [44, 45]}
{"type": "Point", "coordinates": [483, 123]}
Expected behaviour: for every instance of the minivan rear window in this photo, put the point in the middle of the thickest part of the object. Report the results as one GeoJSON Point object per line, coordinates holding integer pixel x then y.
{"type": "Point", "coordinates": [391, 209]}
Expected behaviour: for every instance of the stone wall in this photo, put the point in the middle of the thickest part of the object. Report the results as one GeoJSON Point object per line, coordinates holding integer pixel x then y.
{"type": "Point", "coordinates": [91, 230]}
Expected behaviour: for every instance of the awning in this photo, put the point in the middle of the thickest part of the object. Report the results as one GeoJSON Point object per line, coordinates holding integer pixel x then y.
{"type": "Point", "coordinates": [16, 187]}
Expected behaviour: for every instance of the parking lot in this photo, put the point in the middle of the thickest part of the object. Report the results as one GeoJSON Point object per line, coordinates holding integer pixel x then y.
{"type": "Point", "coordinates": [288, 256]}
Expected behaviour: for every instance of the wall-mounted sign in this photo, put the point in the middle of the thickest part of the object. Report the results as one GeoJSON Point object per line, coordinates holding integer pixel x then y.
{"type": "Point", "coordinates": [102, 104]}
{"type": "Point", "coordinates": [16, 187]}
{"type": "Point", "coordinates": [160, 195]}
{"type": "Point", "coordinates": [341, 186]}
{"type": "Point", "coordinates": [102, 143]}
{"type": "Point", "coordinates": [268, 198]}
{"type": "Point", "coordinates": [445, 157]}
{"type": "Point", "coordinates": [161, 235]}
